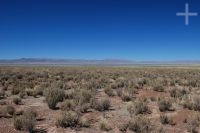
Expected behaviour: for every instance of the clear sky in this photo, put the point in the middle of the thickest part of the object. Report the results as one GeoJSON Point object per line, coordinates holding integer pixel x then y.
{"type": "Point", "coordinates": [99, 29]}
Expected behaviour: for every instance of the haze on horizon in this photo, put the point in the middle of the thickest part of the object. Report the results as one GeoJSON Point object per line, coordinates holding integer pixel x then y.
{"type": "Point", "coordinates": [140, 30]}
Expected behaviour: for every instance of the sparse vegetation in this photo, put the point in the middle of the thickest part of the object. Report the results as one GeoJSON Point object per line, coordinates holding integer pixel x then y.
{"type": "Point", "coordinates": [123, 97]}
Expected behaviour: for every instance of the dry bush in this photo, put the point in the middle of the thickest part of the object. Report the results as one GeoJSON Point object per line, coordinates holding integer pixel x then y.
{"type": "Point", "coordinates": [53, 96]}
{"type": "Point", "coordinates": [187, 103]}
{"type": "Point", "coordinates": [109, 92]}
{"type": "Point", "coordinates": [178, 93]}
{"type": "Point", "coordinates": [10, 110]}
{"type": "Point", "coordinates": [101, 105]}
{"type": "Point", "coordinates": [119, 92]}
{"type": "Point", "coordinates": [140, 124]}
{"type": "Point", "coordinates": [196, 103]}
{"type": "Point", "coordinates": [38, 91]}
{"type": "Point", "coordinates": [193, 104]}
{"type": "Point", "coordinates": [68, 105]}
{"type": "Point", "coordinates": [2, 94]}
{"type": "Point", "coordinates": [19, 122]}
{"type": "Point", "coordinates": [126, 97]}
{"type": "Point", "coordinates": [192, 123]}
{"type": "Point", "coordinates": [159, 88]}
{"type": "Point", "coordinates": [70, 94]}
{"type": "Point", "coordinates": [126, 94]}
{"type": "Point", "coordinates": [15, 90]}
{"type": "Point", "coordinates": [153, 99]}
{"type": "Point", "coordinates": [138, 107]}
{"type": "Point", "coordinates": [86, 96]}
{"type": "Point", "coordinates": [69, 119]}
{"type": "Point", "coordinates": [29, 92]}
{"type": "Point", "coordinates": [160, 129]}
{"type": "Point", "coordinates": [17, 100]}
{"type": "Point", "coordinates": [165, 105]}
{"type": "Point", "coordinates": [164, 119]}
{"type": "Point", "coordinates": [123, 128]}
{"type": "Point", "coordinates": [83, 108]}
{"type": "Point", "coordinates": [104, 126]}
{"type": "Point", "coordinates": [26, 121]}
{"type": "Point", "coordinates": [22, 94]}
{"type": "Point", "coordinates": [193, 83]}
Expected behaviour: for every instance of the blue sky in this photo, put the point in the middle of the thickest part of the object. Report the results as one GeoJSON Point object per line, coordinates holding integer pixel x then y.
{"type": "Point", "coordinates": [99, 29]}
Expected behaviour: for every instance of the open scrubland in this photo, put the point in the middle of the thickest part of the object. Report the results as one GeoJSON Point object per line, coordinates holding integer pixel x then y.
{"type": "Point", "coordinates": [99, 99]}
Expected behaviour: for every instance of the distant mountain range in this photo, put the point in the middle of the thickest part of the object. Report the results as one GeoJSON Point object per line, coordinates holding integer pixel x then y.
{"type": "Point", "coordinates": [80, 62]}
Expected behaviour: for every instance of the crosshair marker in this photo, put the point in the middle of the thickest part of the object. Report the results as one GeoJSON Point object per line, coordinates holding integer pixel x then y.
{"type": "Point", "coordinates": [186, 14]}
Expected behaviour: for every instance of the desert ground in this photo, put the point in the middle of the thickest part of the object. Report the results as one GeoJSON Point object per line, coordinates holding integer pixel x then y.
{"type": "Point", "coordinates": [99, 99]}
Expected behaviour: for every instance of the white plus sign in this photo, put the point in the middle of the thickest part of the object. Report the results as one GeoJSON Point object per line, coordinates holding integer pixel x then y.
{"type": "Point", "coordinates": [186, 14]}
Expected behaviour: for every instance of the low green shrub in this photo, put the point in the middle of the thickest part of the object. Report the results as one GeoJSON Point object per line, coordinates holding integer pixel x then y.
{"type": "Point", "coordinates": [140, 124]}
{"type": "Point", "coordinates": [53, 96]}
{"type": "Point", "coordinates": [69, 119]}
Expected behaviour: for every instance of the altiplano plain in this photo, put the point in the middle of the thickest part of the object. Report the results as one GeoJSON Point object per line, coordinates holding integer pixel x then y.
{"type": "Point", "coordinates": [99, 99]}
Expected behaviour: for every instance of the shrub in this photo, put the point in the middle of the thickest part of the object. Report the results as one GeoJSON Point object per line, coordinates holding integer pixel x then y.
{"type": "Point", "coordinates": [53, 96]}
{"type": "Point", "coordinates": [15, 91]}
{"type": "Point", "coordinates": [165, 105]}
{"type": "Point", "coordinates": [126, 96]}
{"type": "Point", "coordinates": [159, 88]}
{"type": "Point", "coordinates": [68, 105]}
{"type": "Point", "coordinates": [188, 104]}
{"type": "Point", "coordinates": [22, 94]}
{"type": "Point", "coordinates": [138, 107]}
{"type": "Point", "coordinates": [29, 92]}
{"type": "Point", "coordinates": [123, 127]}
{"type": "Point", "coordinates": [26, 121]}
{"type": "Point", "coordinates": [17, 100]}
{"type": "Point", "coordinates": [30, 113]}
{"type": "Point", "coordinates": [109, 91]}
{"type": "Point", "coordinates": [84, 107]}
{"type": "Point", "coordinates": [68, 119]}
{"type": "Point", "coordinates": [164, 119]}
{"type": "Point", "coordinates": [10, 110]}
{"type": "Point", "coordinates": [193, 83]}
{"type": "Point", "coordinates": [140, 124]}
{"type": "Point", "coordinates": [70, 94]}
{"type": "Point", "coordinates": [19, 122]}
{"type": "Point", "coordinates": [102, 105]}
{"type": "Point", "coordinates": [2, 94]}
{"type": "Point", "coordinates": [86, 96]}
{"type": "Point", "coordinates": [84, 122]}
{"type": "Point", "coordinates": [104, 126]}
{"type": "Point", "coordinates": [177, 93]}
{"type": "Point", "coordinates": [153, 99]}
{"type": "Point", "coordinates": [38, 91]}
{"type": "Point", "coordinates": [119, 91]}
{"type": "Point", "coordinates": [196, 104]}
{"type": "Point", "coordinates": [192, 123]}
